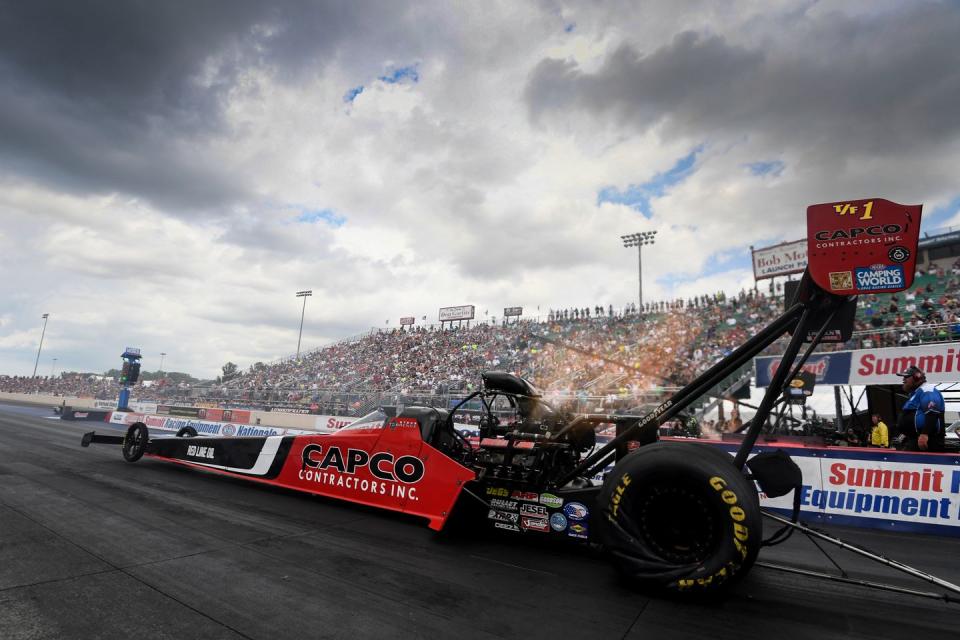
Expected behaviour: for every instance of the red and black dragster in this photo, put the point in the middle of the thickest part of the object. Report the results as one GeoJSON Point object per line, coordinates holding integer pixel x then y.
{"type": "Point", "coordinates": [678, 517]}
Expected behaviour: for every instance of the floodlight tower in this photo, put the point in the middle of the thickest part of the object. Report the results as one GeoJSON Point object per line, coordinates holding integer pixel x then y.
{"type": "Point", "coordinates": [302, 294]}
{"type": "Point", "coordinates": [42, 333]}
{"type": "Point", "coordinates": [638, 240]}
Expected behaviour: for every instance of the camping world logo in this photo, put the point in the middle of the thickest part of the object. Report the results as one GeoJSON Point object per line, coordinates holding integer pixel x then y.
{"type": "Point", "coordinates": [879, 276]}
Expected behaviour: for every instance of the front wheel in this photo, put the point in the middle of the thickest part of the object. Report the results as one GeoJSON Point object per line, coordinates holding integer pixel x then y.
{"type": "Point", "coordinates": [135, 442]}
{"type": "Point", "coordinates": [680, 518]}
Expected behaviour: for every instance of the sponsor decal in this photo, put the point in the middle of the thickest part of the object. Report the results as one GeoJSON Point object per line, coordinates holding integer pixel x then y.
{"type": "Point", "coordinates": [840, 280]}
{"type": "Point", "coordinates": [498, 491]}
{"type": "Point", "coordinates": [880, 276]}
{"type": "Point", "coordinates": [534, 524]}
{"type": "Point", "coordinates": [506, 526]}
{"type": "Point", "coordinates": [229, 430]}
{"type": "Point", "coordinates": [550, 500]}
{"type": "Point", "coordinates": [403, 423]}
{"type": "Point", "coordinates": [577, 530]}
{"type": "Point", "coordinates": [575, 511]}
{"type": "Point", "coordinates": [332, 466]}
{"type": "Point", "coordinates": [80, 414]}
{"type": "Point", "coordinates": [500, 503]}
{"type": "Point", "coordinates": [194, 451]}
{"type": "Point", "coordinates": [898, 254]}
{"type": "Point", "coordinates": [852, 237]}
{"type": "Point", "coordinates": [558, 522]}
{"type": "Point", "coordinates": [525, 495]}
{"type": "Point", "coordinates": [503, 516]}
{"type": "Point", "coordinates": [533, 510]}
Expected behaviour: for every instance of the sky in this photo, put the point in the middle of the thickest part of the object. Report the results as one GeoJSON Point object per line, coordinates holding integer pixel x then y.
{"type": "Point", "coordinates": [172, 173]}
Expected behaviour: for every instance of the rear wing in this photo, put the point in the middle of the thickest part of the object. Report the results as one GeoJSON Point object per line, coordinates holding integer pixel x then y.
{"type": "Point", "coordinates": [862, 246]}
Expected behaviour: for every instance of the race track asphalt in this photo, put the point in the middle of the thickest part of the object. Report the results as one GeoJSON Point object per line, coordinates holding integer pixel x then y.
{"type": "Point", "coordinates": [94, 547]}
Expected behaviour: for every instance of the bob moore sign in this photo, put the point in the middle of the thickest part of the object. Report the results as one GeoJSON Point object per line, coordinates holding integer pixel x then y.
{"type": "Point", "coordinates": [465, 312]}
{"type": "Point", "coordinates": [780, 260]}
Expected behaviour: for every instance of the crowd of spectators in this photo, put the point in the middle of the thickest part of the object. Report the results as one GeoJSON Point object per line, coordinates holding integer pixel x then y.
{"type": "Point", "coordinates": [596, 351]}
{"type": "Point", "coordinates": [86, 385]}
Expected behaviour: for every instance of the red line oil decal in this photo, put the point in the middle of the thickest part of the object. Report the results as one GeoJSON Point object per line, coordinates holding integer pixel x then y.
{"type": "Point", "coordinates": [861, 246]}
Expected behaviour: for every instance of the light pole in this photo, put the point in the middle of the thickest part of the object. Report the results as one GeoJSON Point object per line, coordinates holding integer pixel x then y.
{"type": "Point", "coordinates": [638, 240]}
{"type": "Point", "coordinates": [42, 333]}
{"type": "Point", "coordinates": [162, 356]}
{"type": "Point", "coordinates": [53, 367]}
{"type": "Point", "coordinates": [302, 294]}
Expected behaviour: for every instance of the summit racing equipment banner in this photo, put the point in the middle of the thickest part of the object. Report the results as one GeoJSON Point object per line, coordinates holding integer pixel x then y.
{"type": "Point", "coordinates": [874, 488]}
{"type": "Point", "coordinates": [940, 361]}
{"type": "Point", "coordinates": [202, 427]}
{"type": "Point", "coordinates": [863, 245]}
{"type": "Point", "coordinates": [779, 260]}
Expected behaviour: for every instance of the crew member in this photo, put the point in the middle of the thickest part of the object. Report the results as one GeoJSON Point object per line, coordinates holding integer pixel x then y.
{"type": "Point", "coordinates": [879, 435]}
{"type": "Point", "coordinates": [922, 419]}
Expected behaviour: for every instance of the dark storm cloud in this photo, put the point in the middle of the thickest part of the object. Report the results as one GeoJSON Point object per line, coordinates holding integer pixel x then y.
{"type": "Point", "coordinates": [123, 96]}
{"type": "Point", "coordinates": [873, 84]}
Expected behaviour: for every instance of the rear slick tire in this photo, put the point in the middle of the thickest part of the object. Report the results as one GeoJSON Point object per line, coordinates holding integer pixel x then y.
{"type": "Point", "coordinates": [679, 518]}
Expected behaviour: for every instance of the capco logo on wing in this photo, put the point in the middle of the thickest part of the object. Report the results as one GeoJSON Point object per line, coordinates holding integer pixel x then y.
{"type": "Point", "coordinates": [408, 469]}
{"type": "Point", "coordinates": [849, 234]}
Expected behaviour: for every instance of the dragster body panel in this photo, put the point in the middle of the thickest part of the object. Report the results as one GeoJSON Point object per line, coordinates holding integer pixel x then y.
{"type": "Point", "coordinates": [389, 468]}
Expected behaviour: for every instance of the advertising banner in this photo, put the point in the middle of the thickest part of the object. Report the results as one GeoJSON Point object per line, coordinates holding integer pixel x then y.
{"type": "Point", "coordinates": [509, 312]}
{"type": "Point", "coordinates": [241, 416]}
{"type": "Point", "coordinates": [406, 321]}
{"type": "Point", "coordinates": [333, 422]}
{"type": "Point", "coordinates": [876, 489]}
{"type": "Point", "coordinates": [465, 312]}
{"type": "Point", "coordinates": [189, 412]}
{"type": "Point", "coordinates": [780, 260]}
{"type": "Point", "coordinates": [940, 361]}
{"type": "Point", "coordinates": [829, 368]}
{"type": "Point", "coordinates": [863, 245]}
{"type": "Point", "coordinates": [202, 427]}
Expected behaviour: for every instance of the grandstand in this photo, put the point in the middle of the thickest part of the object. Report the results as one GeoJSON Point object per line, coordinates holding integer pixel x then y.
{"type": "Point", "coordinates": [599, 357]}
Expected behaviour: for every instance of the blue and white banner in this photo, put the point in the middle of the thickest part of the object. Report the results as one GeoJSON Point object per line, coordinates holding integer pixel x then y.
{"type": "Point", "coordinates": [830, 368]}
{"type": "Point", "coordinates": [874, 488]}
{"type": "Point", "coordinates": [940, 361]}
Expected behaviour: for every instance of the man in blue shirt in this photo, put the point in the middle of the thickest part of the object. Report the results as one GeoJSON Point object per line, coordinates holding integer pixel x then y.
{"type": "Point", "coordinates": [922, 419]}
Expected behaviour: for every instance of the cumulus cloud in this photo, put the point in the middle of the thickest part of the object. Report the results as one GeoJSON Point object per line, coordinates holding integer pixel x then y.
{"type": "Point", "coordinates": [171, 173]}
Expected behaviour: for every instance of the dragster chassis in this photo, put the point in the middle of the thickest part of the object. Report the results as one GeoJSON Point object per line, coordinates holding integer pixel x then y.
{"type": "Point", "coordinates": [680, 518]}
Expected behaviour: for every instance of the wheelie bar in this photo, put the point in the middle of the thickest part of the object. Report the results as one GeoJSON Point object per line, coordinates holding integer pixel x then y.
{"type": "Point", "coordinates": [93, 437]}
{"type": "Point", "coordinates": [866, 553]}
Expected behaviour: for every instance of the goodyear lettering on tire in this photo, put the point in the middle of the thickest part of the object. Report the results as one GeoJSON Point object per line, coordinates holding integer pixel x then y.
{"type": "Point", "coordinates": [741, 533]}
{"type": "Point", "coordinates": [618, 492]}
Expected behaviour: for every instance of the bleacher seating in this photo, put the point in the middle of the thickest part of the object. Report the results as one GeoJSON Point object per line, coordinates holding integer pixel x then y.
{"type": "Point", "coordinates": [608, 352]}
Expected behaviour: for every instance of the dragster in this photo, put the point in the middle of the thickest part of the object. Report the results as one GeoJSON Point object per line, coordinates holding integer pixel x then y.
{"type": "Point", "coordinates": [673, 517]}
